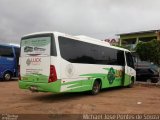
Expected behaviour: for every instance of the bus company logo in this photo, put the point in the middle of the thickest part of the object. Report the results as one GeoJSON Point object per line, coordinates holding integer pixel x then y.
{"type": "Point", "coordinates": [69, 70]}
{"type": "Point", "coordinates": [111, 75]}
{"type": "Point", "coordinates": [33, 61]}
{"type": "Point", "coordinates": [28, 62]}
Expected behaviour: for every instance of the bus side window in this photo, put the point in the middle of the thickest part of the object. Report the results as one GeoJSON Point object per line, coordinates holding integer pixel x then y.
{"type": "Point", "coordinates": [129, 59]}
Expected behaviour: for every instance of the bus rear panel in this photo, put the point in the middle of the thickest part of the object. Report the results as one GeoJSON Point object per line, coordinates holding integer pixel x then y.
{"type": "Point", "coordinates": [37, 68]}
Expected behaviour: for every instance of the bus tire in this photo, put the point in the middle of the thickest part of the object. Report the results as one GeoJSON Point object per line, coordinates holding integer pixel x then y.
{"type": "Point", "coordinates": [96, 87]}
{"type": "Point", "coordinates": [7, 76]}
{"type": "Point", "coordinates": [132, 83]}
{"type": "Point", "coordinates": [154, 80]}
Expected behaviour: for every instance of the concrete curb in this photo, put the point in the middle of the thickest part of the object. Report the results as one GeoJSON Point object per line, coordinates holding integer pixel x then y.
{"type": "Point", "coordinates": [146, 84]}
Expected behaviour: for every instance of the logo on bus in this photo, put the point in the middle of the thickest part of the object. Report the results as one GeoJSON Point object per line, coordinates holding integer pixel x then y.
{"type": "Point", "coordinates": [69, 70]}
{"type": "Point", "coordinates": [33, 61]}
{"type": "Point", "coordinates": [113, 74]}
{"type": "Point", "coordinates": [28, 62]}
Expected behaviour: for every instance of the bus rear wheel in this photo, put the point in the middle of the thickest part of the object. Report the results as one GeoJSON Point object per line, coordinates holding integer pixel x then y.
{"type": "Point", "coordinates": [7, 76]}
{"type": "Point", "coordinates": [96, 88]}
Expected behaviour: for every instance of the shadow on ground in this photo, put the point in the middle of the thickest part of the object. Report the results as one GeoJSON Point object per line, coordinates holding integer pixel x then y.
{"type": "Point", "coordinates": [59, 97]}
{"type": "Point", "coordinates": [1, 80]}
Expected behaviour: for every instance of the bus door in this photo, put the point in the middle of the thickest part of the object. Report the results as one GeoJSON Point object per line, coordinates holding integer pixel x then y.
{"type": "Point", "coordinates": [129, 68]}
{"type": "Point", "coordinates": [121, 62]}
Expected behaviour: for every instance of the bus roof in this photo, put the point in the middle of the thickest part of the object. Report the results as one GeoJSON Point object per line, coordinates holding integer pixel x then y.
{"type": "Point", "coordinates": [13, 44]}
{"type": "Point", "coordinates": [79, 37]}
{"type": "Point", "coordinates": [90, 38]}
{"type": "Point", "coordinates": [10, 44]}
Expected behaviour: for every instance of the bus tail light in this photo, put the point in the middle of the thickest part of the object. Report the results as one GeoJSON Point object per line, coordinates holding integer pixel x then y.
{"type": "Point", "coordinates": [19, 75]}
{"type": "Point", "coordinates": [53, 74]}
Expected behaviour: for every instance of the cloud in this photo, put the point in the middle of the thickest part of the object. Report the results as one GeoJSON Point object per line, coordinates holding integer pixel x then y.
{"type": "Point", "coordinates": [95, 18]}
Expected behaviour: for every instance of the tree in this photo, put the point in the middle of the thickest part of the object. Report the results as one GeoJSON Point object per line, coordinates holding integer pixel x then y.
{"type": "Point", "coordinates": [149, 51]}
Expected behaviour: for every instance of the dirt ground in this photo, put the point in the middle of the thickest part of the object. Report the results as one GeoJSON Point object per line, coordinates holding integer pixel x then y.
{"type": "Point", "coordinates": [139, 100]}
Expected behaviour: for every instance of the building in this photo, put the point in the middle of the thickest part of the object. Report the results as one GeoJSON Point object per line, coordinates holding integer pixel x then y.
{"type": "Point", "coordinates": [130, 40]}
{"type": "Point", "coordinates": [112, 41]}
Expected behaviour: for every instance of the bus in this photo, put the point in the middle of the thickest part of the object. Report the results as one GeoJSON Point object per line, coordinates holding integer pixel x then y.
{"type": "Point", "coordinates": [9, 60]}
{"type": "Point", "coordinates": [73, 64]}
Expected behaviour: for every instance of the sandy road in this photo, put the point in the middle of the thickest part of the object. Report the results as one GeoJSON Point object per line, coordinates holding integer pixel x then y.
{"type": "Point", "coordinates": [118, 100]}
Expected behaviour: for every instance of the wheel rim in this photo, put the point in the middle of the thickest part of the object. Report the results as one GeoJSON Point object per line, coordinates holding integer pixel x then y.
{"type": "Point", "coordinates": [96, 88]}
{"type": "Point", "coordinates": [7, 76]}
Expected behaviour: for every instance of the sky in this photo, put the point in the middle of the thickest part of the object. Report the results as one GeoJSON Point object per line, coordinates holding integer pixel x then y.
{"type": "Point", "coordinates": [99, 19]}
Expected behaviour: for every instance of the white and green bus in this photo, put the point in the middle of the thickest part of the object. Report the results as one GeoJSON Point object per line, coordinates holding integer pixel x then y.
{"type": "Point", "coordinates": [68, 63]}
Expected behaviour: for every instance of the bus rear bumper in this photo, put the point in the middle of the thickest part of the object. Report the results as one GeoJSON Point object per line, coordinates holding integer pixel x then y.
{"type": "Point", "coordinates": [41, 87]}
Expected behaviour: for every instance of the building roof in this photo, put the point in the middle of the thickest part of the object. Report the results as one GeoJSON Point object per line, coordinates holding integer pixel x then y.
{"type": "Point", "coordinates": [140, 32]}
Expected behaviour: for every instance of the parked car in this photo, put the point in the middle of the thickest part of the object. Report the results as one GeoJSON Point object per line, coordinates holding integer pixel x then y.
{"type": "Point", "coordinates": [147, 74]}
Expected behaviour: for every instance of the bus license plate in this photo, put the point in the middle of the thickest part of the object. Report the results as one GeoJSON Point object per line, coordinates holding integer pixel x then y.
{"type": "Point", "coordinates": [33, 88]}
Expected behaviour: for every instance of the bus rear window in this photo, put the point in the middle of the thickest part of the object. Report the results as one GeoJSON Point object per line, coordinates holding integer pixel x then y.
{"type": "Point", "coordinates": [38, 46]}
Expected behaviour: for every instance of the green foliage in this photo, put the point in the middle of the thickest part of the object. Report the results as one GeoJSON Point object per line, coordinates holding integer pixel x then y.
{"type": "Point", "coordinates": [149, 51]}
